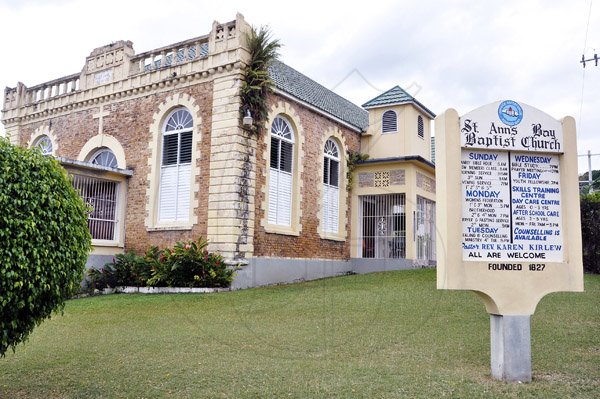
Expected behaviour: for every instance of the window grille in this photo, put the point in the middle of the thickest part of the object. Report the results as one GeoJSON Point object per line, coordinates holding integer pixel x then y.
{"type": "Point", "coordinates": [204, 50]}
{"type": "Point", "coordinates": [389, 122]}
{"type": "Point", "coordinates": [420, 127]}
{"type": "Point", "coordinates": [425, 226]}
{"type": "Point", "coordinates": [102, 198]}
{"type": "Point", "coordinates": [280, 174]}
{"type": "Point", "coordinates": [331, 191]}
{"type": "Point", "coordinates": [382, 179]}
{"type": "Point", "coordinates": [383, 226]}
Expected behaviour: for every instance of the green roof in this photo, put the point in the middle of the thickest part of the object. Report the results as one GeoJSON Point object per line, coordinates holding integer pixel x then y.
{"type": "Point", "coordinates": [299, 86]}
{"type": "Point", "coordinates": [396, 96]}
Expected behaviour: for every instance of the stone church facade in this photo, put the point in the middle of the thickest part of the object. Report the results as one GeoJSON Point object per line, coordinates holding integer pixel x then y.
{"type": "Point", "coordinates": [155, 145]}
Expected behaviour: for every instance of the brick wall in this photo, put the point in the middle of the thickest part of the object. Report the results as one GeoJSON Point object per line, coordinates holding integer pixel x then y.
{"type": "Point", "coordinates": [308, 244]}
{"type": "Point", "coordinates": [129, 122]}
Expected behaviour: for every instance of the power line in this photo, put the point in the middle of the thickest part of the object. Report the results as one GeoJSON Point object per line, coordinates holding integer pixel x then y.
{"type": "Point", "coordinates": [587, 29]}
{"type": "Point", "coordinates": [583, 60]}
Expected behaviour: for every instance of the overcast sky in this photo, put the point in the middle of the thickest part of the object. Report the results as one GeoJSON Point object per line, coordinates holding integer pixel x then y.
{"type": "Point", "coordinates": [451, 54]}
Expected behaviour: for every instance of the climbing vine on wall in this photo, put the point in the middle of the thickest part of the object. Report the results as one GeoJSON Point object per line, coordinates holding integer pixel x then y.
{"type": "Point", "coordinates": [354, 158]}
{"type": "Point", "coordinates": [256, 82]}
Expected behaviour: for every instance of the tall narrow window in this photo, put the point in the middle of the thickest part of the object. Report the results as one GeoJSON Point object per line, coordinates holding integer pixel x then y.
{"type": "Point", "coordinates": [420, 127]}
{"type": "Point", "coordinates": [389, 122]}
{"type": "Point", "coordinates": [331, 190]}
{"type": "Point", "coordinates": [425, 225]}
{"type": "Point", "coordinates": [280, 173]}
{"type": "Point", "coordinates": [176, 167]}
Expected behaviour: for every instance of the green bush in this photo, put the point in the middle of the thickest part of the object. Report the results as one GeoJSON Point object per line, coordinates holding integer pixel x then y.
{"type": "Point", "coordinates": [590, 232]}
{"type": "Point", "coordinates": [44, 241]}
{"type": "Point", "coordinates": [187, 264]}
{"type": "Point", "coordinates": [125, 270]}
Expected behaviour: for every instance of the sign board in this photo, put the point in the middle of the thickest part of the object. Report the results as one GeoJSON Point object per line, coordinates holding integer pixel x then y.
{"type": "Point", "coordinates": [511, 206]}
{"type": "Point", "coordinates": [508, 205]}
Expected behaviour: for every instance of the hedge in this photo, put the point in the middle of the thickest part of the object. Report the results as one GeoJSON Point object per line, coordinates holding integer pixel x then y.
{"type": "Point", "coordinates": [44, 241]}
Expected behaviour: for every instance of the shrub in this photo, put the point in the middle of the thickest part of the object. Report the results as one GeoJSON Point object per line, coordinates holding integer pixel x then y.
{"type": "Point", "coordinates": [125, 270]}
{"type": "Point", "coordinates": [590, 232]}
{"type": "Point", "coordinates": [189, 264]}
{"type": "Point", "coordinates": [44, 241]}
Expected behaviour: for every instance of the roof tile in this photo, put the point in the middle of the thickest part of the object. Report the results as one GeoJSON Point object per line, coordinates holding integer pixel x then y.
{"type": "Point", "coordinates": [305, 89]}
{"type": "Point", "coordinates": [394, 96]}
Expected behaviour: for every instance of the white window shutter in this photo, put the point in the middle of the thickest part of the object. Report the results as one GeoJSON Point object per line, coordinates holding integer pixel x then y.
{"type": "Point", "coordinates": [325, 217]}
{"type": "Point", "coordinates": [330, 209]}
{"type": "Point", "coordinates": [183, 191]}
{"type": "Point", "coordinates": [273, 190]}
{"type": "Point", "coordinates": [284, 202]}
{"type": "Point", "coordinates": [334, 208]}
{"type": "Point", "coordinates": [168, 193]}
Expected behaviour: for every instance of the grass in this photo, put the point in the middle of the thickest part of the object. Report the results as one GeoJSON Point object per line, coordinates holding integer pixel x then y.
{"type": "Point", "coordinates": [370, 336]}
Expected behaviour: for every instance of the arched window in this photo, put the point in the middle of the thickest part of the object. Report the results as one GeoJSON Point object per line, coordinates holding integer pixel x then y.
{"type": "Point", "coordinates": [389, 122]}
{"type": "Point", "coordinates": [280, 173]}
{"type": "Point", "coordinates": [420, 127]}
{"type": "Point", "coordinates": [176, 167]}
{"type": "Point", "coordinates": [331, 187]}
{"type": "Point", "coordinates": [104, 157]}
{"type": "Point", "coordinates": [44, 144]}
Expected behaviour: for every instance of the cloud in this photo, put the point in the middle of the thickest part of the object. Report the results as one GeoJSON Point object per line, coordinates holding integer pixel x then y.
{"type": "Point", "coordinates": [462, 54]}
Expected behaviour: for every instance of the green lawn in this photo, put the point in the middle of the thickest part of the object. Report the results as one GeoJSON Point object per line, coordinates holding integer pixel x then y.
{"type": "Point", "coordinates": [370, 336]}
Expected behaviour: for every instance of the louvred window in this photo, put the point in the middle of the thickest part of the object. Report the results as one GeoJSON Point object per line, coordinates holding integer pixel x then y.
{"type": "Point", "coordinates": [176, 167]}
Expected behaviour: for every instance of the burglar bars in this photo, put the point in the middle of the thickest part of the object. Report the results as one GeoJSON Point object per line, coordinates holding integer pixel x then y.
{"type": "Point", "coordinates": [101, 197]}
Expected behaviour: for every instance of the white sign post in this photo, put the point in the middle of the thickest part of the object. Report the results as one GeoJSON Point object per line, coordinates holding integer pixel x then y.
{"type": "Point", "coordinates": [514, 169]}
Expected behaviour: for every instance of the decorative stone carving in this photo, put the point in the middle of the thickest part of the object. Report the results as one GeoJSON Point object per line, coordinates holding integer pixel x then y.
{"type": "Point", "coordinates": [397, 177]}
{"type": "Point", "coordinates": [382, 179]}
{"type": "Point", "coordinates": [425, 183]}
{"type": "Point", "coordinates": [366, 180]}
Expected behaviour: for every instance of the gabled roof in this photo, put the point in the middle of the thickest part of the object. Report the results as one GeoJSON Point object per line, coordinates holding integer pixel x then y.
{"type": "Point", "coordinates": [301, 87]}
{"type": "Point", "coordinates": [396, 96]}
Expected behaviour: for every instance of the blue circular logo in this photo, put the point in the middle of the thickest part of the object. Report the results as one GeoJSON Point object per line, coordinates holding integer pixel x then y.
{"type": "Point", "coordinates": [510, 113]}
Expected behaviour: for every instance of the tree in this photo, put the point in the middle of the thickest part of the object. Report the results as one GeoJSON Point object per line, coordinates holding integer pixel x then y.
{"type": "Point", "coordinates": [257, 83]}
{"type": "Point", "coordinates": [590, 232]}
{"type": "Point", "coordinates": [595, 186]}
{"type": "Point", "coordinates": [44, 241]}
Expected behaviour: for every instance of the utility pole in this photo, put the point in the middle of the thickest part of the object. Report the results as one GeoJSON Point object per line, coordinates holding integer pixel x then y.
{"type": "Point", "coordinates": [589, 155]}
{"type": "Point", "coordinates": [589, 167]}
{"type": "Point", "coordinates": [583, 60]}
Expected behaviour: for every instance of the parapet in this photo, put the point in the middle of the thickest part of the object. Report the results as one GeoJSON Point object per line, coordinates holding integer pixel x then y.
{"type": "Point", "coordinates": [114, 69]}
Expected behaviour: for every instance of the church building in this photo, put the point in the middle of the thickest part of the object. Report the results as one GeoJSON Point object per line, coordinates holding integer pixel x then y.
{"type": "Point", "coordinates": [156, 146]}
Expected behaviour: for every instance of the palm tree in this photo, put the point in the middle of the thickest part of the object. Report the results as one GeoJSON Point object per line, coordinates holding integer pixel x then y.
{"type": "Point", "coordinates": [257, 83]}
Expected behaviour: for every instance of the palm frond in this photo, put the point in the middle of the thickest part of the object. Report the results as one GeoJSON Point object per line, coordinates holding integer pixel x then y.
{"type": "Point", "coordinates": [257, 83]}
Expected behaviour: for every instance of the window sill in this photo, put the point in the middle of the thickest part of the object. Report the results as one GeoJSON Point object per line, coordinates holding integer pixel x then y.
{"type": "Point", "coordinates": [285, 230]}
{"type": "Point", "coordinates": [170, 228]}
{"type": "Point", "coordinates": [332, 236]}
{"type": "Point", "coordinates": [106, 243]}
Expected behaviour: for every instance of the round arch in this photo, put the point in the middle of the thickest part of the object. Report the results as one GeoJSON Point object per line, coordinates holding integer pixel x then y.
{"type": "Point", "coordinates": [103, 141]}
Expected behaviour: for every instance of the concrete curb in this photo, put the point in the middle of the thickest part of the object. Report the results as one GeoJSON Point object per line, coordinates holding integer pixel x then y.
{"type": "Point", "coordinates": [160, 290]}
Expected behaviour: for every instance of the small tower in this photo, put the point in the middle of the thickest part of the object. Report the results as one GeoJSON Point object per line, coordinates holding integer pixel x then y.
{"type": "Point", "coordinates": [399, 125]}
{"type": "Point", "coordinates": [393, 198]}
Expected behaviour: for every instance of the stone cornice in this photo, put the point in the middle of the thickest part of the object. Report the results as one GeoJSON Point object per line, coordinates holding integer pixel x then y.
{"type": "Point", "coordinates": [127, 89]}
